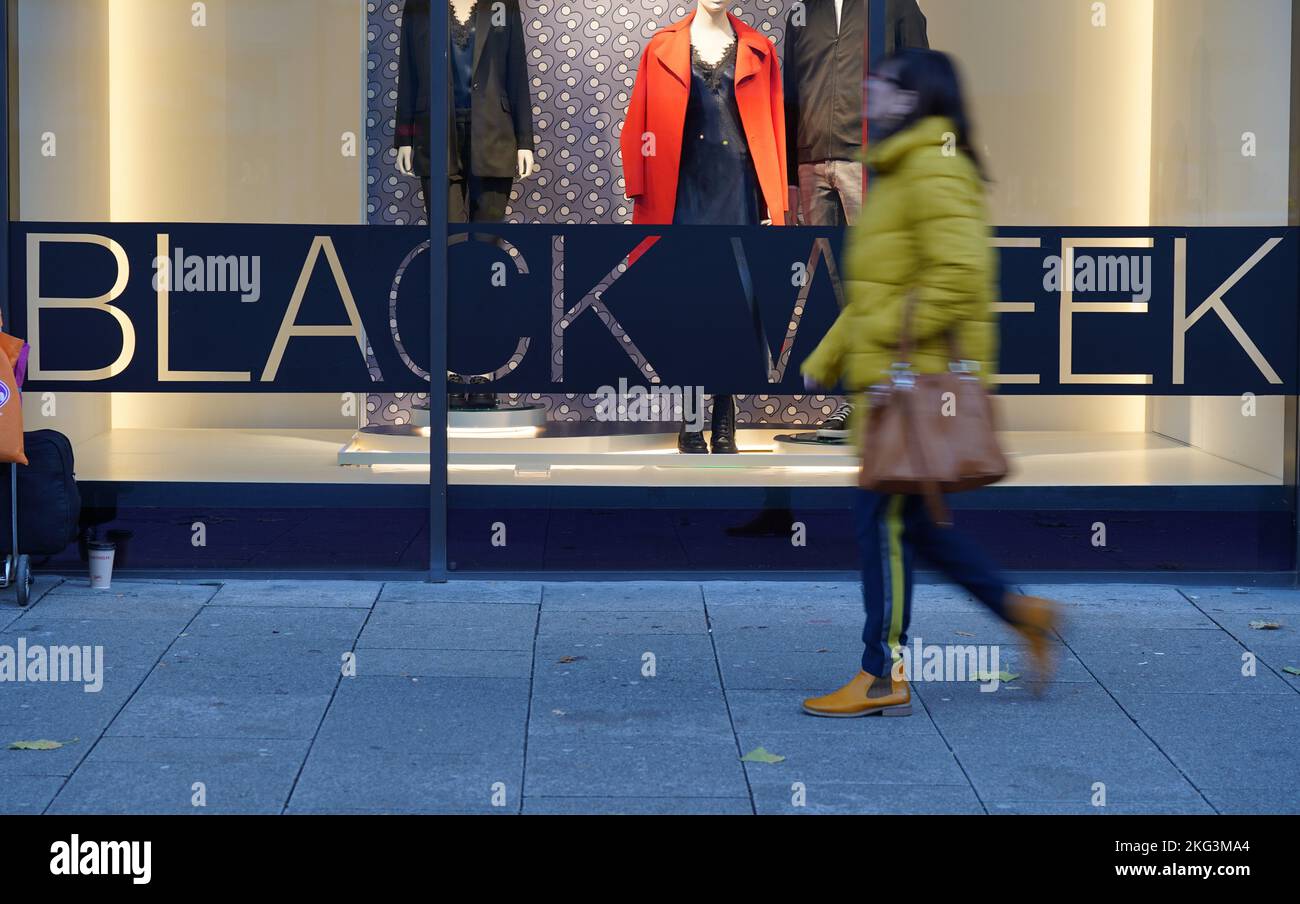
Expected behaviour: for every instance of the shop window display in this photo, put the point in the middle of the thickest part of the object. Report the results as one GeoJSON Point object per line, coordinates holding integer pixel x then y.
{"type": "Point", "coordinates": [1093, 130]}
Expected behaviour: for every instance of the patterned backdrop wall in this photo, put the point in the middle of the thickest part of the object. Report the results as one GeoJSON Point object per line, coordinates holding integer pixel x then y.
{"type": "Point", "coordinates": [582, 56]}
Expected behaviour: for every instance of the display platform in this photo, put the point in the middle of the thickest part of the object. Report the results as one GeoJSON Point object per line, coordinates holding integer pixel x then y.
{"type": "Point", "coordinates": [584, 455]}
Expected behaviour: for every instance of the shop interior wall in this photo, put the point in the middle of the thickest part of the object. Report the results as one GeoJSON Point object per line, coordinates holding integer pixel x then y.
{"type": "Point", "coordinates": [1137, 122]}
{"type": "Point", "coordinates": [1221, 71]}
{"type": "Point", "coordinates": [1062, 111]}
{"type": "Point", "coordinates": [240, 120]}
{"type": "Point", "coordinates": [59, 63]}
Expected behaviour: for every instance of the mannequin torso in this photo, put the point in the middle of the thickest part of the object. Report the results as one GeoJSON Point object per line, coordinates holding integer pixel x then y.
{"type": "Point", "coordinates": [463, 9]}
{"type": "Point", "coordinates": [462, 13]}
{"type": "Point", "coordinates": [711, 31]}
{"type": "Point", "coordinates": [712, 42]}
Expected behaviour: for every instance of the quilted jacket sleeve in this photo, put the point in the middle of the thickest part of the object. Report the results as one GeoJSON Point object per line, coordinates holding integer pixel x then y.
{"type": "Point", "coordinates": [952, 244]}
{"type": "Point", "coordinates": [826, 364]}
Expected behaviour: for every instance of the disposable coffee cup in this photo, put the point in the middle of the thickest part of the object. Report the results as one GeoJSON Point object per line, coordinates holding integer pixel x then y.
{"type": "Point", "coordinates": [101, 564]}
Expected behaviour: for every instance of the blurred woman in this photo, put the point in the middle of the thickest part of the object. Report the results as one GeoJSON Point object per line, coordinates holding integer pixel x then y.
{"type": "Point", "coordinates": [923, 239]}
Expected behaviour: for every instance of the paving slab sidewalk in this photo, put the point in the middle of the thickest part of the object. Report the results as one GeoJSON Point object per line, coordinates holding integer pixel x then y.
{"type": "Point", "coordinates": [640, 698]}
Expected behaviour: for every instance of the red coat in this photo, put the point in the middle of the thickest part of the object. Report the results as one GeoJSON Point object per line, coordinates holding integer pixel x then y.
{"type": "Point", "coordinates": [658, 108]}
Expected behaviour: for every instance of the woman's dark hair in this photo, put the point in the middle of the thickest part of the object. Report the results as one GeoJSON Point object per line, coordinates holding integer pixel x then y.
{"type": "Point", "coordinates": [934, 78]}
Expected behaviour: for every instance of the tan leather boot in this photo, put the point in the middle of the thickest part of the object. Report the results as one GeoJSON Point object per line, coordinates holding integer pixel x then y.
{"type": "Point", "coordinates": [865, 695]}
{"type": "Point", "coordinates": [1035, 619]}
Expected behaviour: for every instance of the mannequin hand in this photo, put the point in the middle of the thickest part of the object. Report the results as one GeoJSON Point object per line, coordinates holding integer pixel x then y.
{"type": "Point", "coordinates": [526, 165]}
{"type": "Point", "coordinates": [796, 214]}
{"type": "Point", "coordinates": [405, 160]}
{"type": "Point", "coordinates": [767, 222]}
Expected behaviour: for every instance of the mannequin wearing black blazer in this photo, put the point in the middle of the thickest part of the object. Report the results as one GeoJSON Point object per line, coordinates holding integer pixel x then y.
{"type": "Point", "coordinates": [490, 144]}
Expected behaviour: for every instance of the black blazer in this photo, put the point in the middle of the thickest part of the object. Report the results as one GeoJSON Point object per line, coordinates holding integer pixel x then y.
{"type": "Point", "coordinates": [823, 73]}
{"type": "Point", "coordinates": [501, 103]}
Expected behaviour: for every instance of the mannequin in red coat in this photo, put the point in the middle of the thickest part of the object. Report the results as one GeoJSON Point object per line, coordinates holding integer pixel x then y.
{"type": "Point", "coordinates": [704, 142]}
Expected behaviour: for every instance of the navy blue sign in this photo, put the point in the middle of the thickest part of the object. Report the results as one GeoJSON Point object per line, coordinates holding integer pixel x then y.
{"type": "Point", "coordinates": [250, 308]}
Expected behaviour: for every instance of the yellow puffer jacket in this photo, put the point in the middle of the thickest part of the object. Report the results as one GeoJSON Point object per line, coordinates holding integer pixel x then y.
{"type": "Point", "coordinates": [924, 231]}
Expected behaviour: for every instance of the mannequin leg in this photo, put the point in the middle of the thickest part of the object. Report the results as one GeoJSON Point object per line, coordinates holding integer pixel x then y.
{"type": "Point", "coordinates": [690, 439]}
{"type": "Point", "coordinates": [488, 199]}
{"type": "Point", "coordinates": [484, 201]}
{"type": "Point", "coordinates": [457, 202]}
{"type": "Point", "coordinates": [724, 425]}
{"type": "Point", "coordinates": [817, 194]}
{"type": "Point", "coordinates": [838, 196]}
{"type": "Point", "coordinates": [458, 212]}
{"type": "Point", "coordinates": [848, 188]}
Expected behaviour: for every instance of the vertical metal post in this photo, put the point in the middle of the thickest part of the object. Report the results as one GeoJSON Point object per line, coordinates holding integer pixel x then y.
{"type": "Point", "coordinates": [877, 31]}
{"type": "Point", "coordinates": [4, 159]}
{"type": "Point", "coordinates": [438, 127]}
{"type": "Point", "coordinates": [874, 51]}
{"type": "Point", "coordinates": [1293, 219]}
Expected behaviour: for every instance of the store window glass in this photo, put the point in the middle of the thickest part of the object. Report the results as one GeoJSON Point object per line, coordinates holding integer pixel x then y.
{"type": "Point", "coordinates": [647, 204]}
{"type": "Point", "coordinates": [218, 165]}
{"type": "Point", "coordinates": [1143, 147]}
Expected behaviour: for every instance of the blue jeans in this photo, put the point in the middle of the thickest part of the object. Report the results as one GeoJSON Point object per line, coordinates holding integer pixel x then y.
{"type": "Point", "coordinates": [892, 531]}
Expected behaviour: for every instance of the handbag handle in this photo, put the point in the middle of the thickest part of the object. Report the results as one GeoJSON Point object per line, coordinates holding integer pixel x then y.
{"type": "Point", "coordinates": [905, 343]}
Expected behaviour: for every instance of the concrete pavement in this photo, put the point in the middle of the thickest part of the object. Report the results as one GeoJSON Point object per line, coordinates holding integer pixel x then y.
{"type": "Point", "coordinates": [492, 697]}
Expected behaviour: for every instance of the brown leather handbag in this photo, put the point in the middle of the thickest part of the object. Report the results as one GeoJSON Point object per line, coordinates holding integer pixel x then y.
{"type": "Point", "coordinates": [930, 434]}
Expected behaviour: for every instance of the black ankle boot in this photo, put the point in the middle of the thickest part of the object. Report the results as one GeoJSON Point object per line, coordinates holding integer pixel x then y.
{"type": "Point", "coordinates": [481, 401]}
{"type": "Point", "coordinates": [691, 443]}
{"type": "Point", "coordinates": [724, 425]}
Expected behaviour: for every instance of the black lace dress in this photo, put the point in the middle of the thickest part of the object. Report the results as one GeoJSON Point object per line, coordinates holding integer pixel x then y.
{"type": "Point", "coordinates": [463, 36]}
{"type": "Point", "coordinates": [716, 181]}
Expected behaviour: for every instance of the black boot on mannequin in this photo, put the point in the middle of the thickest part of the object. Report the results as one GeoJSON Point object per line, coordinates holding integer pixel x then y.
{"type": "Point", "coordinates": [690, 442]}
{"type": "Point", "coordinates": [724, 425]}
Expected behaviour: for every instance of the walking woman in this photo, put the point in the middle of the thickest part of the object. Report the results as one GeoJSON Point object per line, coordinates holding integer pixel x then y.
{"type": "Point", "coordinates": [921, 248]}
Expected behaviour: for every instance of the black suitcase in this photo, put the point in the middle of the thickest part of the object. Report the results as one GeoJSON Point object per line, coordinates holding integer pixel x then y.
{"type": "Point", "coordinates": [49, 504]}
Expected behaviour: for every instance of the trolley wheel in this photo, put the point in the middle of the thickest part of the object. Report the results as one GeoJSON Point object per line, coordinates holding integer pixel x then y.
{"type": "Point", "coordinates": [23, 577]}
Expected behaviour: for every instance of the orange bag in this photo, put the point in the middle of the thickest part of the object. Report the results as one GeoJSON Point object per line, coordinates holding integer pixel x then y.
{"type": "Point", "coordinates": [12, 347]}
{"type": "Point", "coordinates": [11, 415]}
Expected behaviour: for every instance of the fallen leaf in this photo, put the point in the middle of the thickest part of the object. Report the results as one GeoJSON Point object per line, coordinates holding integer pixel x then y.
{"type": "Point", "coordinates": [964, 634]}
{"type": "Point", "coordinates": [1291, 670]}
{"type": "Point", "coordinates": [1001, 676]}
{"type": "Point", "coordinates": [1266, 625]}
{"type": "Point", "coordinates": [567, 659]}
{"type": "Point", "coordinates": [760, 755]}
{"type": "Point", "coordinates": [35, 745]}
{"type": "Point", "coordinates": [823, 650]}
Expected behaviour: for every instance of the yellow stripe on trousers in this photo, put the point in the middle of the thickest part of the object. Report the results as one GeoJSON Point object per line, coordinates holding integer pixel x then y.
{"type": "Point", "coordinates": [897, 574]}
